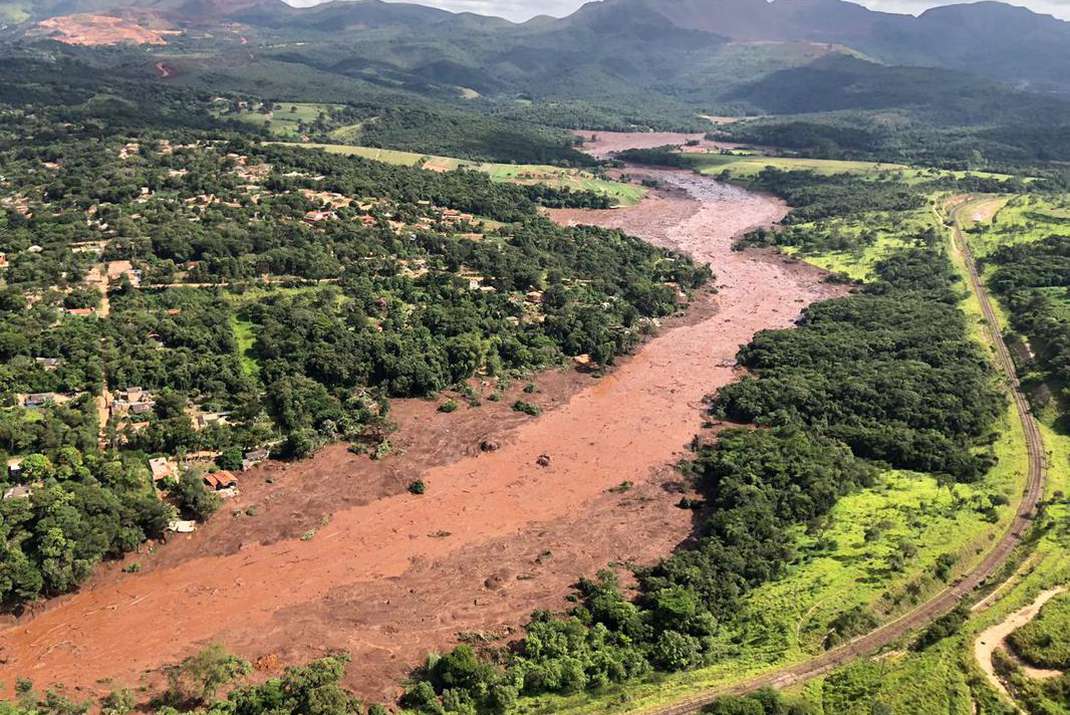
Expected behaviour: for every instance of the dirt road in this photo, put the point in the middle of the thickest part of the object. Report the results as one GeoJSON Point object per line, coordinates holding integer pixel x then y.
{"type": "Point", "coordinates": [947, 599]}
{"type": "Point", "coordinates": [995, 638]}
{"type": "Point", "coordinates": [388, 576]}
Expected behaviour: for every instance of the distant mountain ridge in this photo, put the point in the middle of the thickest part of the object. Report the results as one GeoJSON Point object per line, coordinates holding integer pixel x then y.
{"type": "Point", "coordinates": [997, 40]}
{"type": "Point", "coordinates": [679, 54]}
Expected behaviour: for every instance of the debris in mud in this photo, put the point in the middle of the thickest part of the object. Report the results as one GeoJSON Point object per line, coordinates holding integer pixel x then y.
{"type": "Point", "coordinates": [543, 460]}
{"type": "Point", "coordinates": [489, 445]}
{"type": "Point", "coordinates": [267, 663]}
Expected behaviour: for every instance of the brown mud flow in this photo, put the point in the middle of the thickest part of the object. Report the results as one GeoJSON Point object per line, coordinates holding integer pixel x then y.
{"type": "Point", "coordinates": [388, 576]}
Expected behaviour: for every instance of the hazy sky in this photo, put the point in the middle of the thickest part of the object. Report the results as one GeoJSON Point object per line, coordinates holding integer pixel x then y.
{"type": "Point", "coordinates": [524, 9]}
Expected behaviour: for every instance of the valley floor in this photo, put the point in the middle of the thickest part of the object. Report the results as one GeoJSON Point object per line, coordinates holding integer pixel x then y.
{"type": "Point", "coordinates": [495, 536]}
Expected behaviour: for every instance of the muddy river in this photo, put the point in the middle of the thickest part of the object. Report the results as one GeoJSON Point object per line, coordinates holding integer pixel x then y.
{"type": "Point", "coordinates": [388, 576]}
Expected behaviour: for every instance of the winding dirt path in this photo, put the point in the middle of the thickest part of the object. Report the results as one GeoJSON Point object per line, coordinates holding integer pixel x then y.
{"type": "Point", "coordinates": [995, 638]}
{"type": "Point", "coordinates": [390, 577]}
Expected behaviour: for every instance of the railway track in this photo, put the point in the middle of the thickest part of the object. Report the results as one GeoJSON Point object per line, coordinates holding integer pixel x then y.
{"type": "Point", "coordinates": [946, 600]}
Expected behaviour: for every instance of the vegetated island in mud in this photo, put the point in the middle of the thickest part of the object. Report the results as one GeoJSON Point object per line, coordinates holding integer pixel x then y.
{"type": "Point", "coordinates": [334, 554]}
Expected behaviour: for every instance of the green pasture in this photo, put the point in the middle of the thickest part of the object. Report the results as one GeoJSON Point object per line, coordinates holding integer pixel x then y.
{"type": "Point", "coordinates": [285, 120]}
{"type": "Point", "coordinates": [576, 179]}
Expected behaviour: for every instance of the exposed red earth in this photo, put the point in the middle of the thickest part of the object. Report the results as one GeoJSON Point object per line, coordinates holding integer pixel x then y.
{"type": "Point", "coordinates": [94, 30]}
{"type": "Point", "coordinates": [340, 557]}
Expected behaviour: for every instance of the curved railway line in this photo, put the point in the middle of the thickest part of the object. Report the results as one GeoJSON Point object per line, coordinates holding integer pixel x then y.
{"type": "Point", "coordinates": [944, 601]}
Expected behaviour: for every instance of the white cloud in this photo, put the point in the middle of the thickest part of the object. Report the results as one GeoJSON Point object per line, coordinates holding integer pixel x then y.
{"type": "Point", "coordinates": [1058, 8]}
{"type": "Point", "coordinates": [516, 10]}
{"type": "Point", "coordinates": [520, 10]}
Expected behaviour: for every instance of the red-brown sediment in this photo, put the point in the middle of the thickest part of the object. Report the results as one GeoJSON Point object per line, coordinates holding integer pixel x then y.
{"type": "Point", "coordinates": [389, 576]}
{"type": "Point", "coordinates": [96, 30]}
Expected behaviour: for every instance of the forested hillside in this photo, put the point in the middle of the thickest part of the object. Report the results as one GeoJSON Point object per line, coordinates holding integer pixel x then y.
{"type": "Point", "coordinates": [461, 84]}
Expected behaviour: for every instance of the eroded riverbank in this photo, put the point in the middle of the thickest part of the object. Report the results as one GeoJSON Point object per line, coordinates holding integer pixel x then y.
{"type": "Point", "coordinates": [390, 577]}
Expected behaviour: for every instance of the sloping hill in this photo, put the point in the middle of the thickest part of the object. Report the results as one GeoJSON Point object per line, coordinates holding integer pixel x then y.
{"type": "Point", "coordinates": [655, 63]}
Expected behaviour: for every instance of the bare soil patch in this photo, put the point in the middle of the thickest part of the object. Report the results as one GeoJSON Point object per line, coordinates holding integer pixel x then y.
{"type": "Point", "coordinates": [95, 30]}
{"type": "Point", "coordinates": [339, 556]}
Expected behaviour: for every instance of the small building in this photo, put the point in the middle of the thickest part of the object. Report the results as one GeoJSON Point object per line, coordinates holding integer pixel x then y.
{"type": "Point", "coordinates": [162, 468]}
{"type": "Point", "coordinates": [39, 399]}
{"type": "Point", "coordinates": [35, 249]}
{"type": "Point", "coordinates": [315, 217]}
{"type": "Point", "coordinates": [81, 312]}
{"type": "Point", "coordinates": [141, 408]}
{"type": "Point", "coordinates": [254, 457]}
{"type": "Point", "coordinates": [209, 419]}
{"type": "Point", "coordinates": [132, 395]}
{"type": "Point", "coordinates": [218, 481]}
{"type": "Point", "coordinates": [18, 492]}
{"type": "Point", "coordinates": [14, 467]}
{"type": "Point", "coordinates": [180, 526]}
{"type": "Point", "coordinates": [49, 364]}
{"type": "Point", "coordinates": [3, 260]}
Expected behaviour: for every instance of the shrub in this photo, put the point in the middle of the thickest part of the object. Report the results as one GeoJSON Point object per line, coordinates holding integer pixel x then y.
{"type": "Point", "coordinates": [527, 408]}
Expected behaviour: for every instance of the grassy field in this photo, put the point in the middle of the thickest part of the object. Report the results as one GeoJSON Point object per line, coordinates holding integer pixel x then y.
{"type": "Point", "coordinates": [286, 119]}
{"type": "Point", "coordinates": [1045, 641]}
{"type": "Point", "coordinates": [1061, 297]}
{"type": "Point", "coordinates": [245, 333]}
{"type": "Point", "coordinates": [750, 164]}
{"type": "Point", "coordinates": [1021, 219]}
{"type": "Point", "coordinates": [946, 678]}
{"type": "Point", "coordinates": [576, 179]}
{"type": "Point", "coordinates": [888, 232]}
{"type": "Point", "coordinates": [743, 165]}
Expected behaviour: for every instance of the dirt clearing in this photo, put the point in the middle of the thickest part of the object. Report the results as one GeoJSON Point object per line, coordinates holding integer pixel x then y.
{"type": "Point", "coordinates": [97, 30]}
{"type": "Point", "coordinates": [339, 556]}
